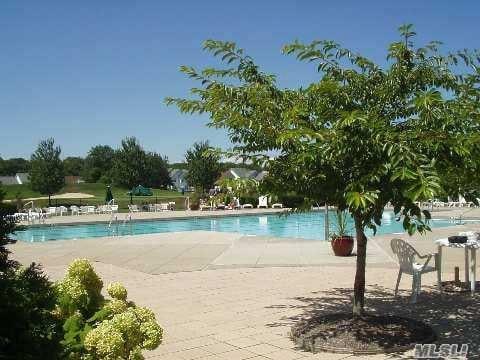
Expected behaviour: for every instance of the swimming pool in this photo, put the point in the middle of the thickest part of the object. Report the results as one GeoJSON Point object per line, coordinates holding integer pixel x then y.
{"type": "Point", "coordinates": [305, 226]}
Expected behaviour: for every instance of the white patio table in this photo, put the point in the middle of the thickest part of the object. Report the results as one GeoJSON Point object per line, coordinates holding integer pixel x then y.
{"type": "Point", "coordinates": [470, 266]}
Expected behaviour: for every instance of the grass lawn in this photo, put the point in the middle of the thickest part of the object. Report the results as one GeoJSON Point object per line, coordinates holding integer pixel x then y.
{"type": "Point", "coordinates": [98, 190]}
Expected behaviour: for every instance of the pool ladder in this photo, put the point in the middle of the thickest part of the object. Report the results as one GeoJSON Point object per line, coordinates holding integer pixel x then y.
{"type": "Point", "coordinates": [459, 220]}
{"type": "Point", "coordinates": [114, 224]}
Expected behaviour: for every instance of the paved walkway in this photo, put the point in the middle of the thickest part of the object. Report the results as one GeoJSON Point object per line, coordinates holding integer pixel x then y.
{"type": "Point", "coordinates": [229, 314]}
{"type": "Point", "coordinates": [227, 296]}
{"type": "Point", "coordinates": [190, 251]}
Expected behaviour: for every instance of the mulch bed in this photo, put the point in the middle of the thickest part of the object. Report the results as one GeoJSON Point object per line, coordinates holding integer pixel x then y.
{"type": "Point", "coordinates": [458, 287]}
{"type": "Point", "coordinates": [370, 334]}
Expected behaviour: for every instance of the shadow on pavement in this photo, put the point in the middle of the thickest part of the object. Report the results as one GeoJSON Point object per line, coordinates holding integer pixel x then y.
{"type": "Point", "coordinates": [455, 317]}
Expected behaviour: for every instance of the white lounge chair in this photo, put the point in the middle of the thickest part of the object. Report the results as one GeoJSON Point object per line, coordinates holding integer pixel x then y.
{"type": "Point", "coordinates": [22, 216]}
{"type": "Point", "coordinates": [61, 210]}
{"type": "Point", "coordinates": [407, 259]}
{"type": "Point", "coordinates": [74, 210]}
{"type": "Point", "coordinates": [277, 206]}
{"type": "Point", "coordinates": [247, 206]}
{"type": "Point", "coordinates": [262, 202]}
{"type": "Point", "coordinates": [133, 208]}
{"type": "Point", "coordinates": [236, 203]}
{"type": "Point", "coordinates": [51, 211]}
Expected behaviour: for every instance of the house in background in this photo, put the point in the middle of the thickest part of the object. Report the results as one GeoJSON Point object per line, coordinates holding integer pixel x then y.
{"type": "Point", "coordinates": [17, 179]}
{"type": "Point", "coordinates": [179, 179]}
{"type": "Point", "coordinates": [243, 173]}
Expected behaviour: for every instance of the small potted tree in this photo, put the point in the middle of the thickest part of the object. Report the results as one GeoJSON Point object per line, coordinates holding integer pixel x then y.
{"type": "Point", "coordinates": [342, 243]}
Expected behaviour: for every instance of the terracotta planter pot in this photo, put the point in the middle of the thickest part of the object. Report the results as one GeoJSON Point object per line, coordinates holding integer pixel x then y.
{"type": "Point", "coordinates": [342, 245]}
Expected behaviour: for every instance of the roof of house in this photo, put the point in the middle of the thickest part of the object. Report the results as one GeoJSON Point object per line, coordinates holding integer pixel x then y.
{"type": "Point", "coordinates": [176, 173]}
{"type": "Point", "coordinates": [260, 175]}
{"type": "Point", "coordinates": [24, 177]}
{"type": "Point", "coordinates": [243, 173]}
{"type": "Point", "coordinates": [8, 180]}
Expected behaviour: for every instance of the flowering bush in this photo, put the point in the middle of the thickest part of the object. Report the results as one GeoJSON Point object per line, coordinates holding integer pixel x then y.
{"type": "Point", "coordinates": [117, 291]}
{"type": "Point", "coordinates": [80, 290]}
{"type": "Point", "coordinates": [124, 336]}
{"type": "Point", "coordinates": [99, 328]}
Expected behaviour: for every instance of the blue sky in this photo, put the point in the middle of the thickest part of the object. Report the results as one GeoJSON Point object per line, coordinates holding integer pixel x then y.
{"type": "Point", "coordinates": [93, 72]}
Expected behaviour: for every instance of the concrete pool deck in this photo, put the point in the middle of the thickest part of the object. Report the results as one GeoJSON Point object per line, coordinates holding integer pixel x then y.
{"type": "Point", "coordinates": [439, 213]}
{"type": "Point", "coordinates": [228, 296]}
{"type": "Point", "coordinates": [147, 215]}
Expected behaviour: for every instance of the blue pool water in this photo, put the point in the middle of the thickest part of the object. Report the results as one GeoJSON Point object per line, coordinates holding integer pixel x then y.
{"type": "Point", "coordinates": [305, 226]}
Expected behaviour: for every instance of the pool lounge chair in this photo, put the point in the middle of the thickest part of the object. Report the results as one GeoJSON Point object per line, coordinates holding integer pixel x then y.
{"type": "Point", "coordinates": [61, 210]}
{"type": "Point", "coordinates": [74, 210]}
{"type": "Point", "coordinates": [101, 209]}
{"type": "Point", "coordinates": [247, 206]}
{"type": "Point", "coordinates": [262, 202]}
{"type": "Point", "coordinates": [407, 259]}
{"type": "Point", "coordinates": [51, 211]}
{"type": "Point", "coordinates": [133, 208]}
{"type": "Point", "coordinates": [21, 216]}
{"type": "Point", "coordinates": [277, 206]}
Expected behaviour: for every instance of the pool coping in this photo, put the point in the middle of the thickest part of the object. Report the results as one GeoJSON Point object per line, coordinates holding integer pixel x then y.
{"type": "Point", "coordinates": [207, 214]}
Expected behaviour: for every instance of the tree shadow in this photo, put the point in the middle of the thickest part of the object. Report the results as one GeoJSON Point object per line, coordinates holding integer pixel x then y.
{"type": "Point", "coordinates": [455, 317]}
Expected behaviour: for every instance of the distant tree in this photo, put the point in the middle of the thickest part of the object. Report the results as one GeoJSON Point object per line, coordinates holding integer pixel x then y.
{"type": "Point", "coordinates": [157, 175]}
{"type": "Point", "coordinates": [47, 174]}
{"type": "Point", "coordinates": [13, 166]}
{"type": "Point", "coordinates": [98, 163]}
{"type": "Point", "coordinates": [73, 165]}
{"type": "Point", "coordinates": [179, 165]}
{"type": "Point", "coordinates": [203, 166]}
{"type": "Point", "coordinates": [131, 164]}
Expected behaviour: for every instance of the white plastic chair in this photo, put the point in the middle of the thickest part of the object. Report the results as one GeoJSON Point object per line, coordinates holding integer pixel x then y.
{"type": "Point", "coordinates": [51, 211]}
{"type": "Point", "coordinates": [133, 208]}
{"type": "Point", "coordinates": [61, 210]}
{"type": "Point", "coordinates": [407, 259]}
{"type": "Point", "coordinates": [262, 202]}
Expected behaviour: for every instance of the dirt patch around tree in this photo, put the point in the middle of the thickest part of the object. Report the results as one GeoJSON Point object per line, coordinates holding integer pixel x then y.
{"type": "Point", "coordinates": [369, 334]}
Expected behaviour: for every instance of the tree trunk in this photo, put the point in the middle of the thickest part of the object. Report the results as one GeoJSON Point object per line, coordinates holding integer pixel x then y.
{"type": "Point", "coordinates": [49, 200]}
{"type": "Point", "coordinates": [359, 286]}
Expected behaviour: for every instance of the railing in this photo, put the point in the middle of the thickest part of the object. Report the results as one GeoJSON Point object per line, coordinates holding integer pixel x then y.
{"type": "Point", "coordinates": [459, 220]}
{"type": "Point", "coordinates": [113, 221]}
{"type": "Point", "coordinates": [114, 224]}
{"type": "Point", "coordinates": [31, 203]}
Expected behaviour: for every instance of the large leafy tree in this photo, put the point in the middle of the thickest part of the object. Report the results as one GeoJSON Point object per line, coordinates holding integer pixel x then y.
{"type": "Point", "coordinates": [157, 174]}
{"type": "Point", "coordinates": [360, 137]}
{"type": "Point", "coordinates": [203, 166]}
{"type": "Point", "coordinates": [46, 169]}
{"type": "Point", "coordinates": [73, 165]}
{"type": "Point", "coordinates": [130, 165]}
{"type": "Point", "coordinates": [13, 166]}
{"type": "Point", "coordinates": [98, 163]}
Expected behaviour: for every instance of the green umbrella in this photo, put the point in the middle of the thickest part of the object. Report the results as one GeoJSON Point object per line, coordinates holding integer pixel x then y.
{"type": "Point", "coordinates": [109, 195]}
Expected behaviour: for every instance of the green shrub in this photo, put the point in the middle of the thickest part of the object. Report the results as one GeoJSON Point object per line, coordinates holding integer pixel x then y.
{"type": "Point", "coordinates": [28, 326]}
{"type": "Point", "coordinates": [291, 200]}
{"type": "Point", "coordinates": [99, 328]}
